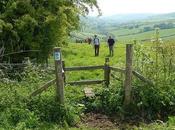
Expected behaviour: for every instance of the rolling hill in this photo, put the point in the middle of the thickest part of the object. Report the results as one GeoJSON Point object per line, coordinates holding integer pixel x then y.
{"type": "Point", "coordinates": [127, 27]}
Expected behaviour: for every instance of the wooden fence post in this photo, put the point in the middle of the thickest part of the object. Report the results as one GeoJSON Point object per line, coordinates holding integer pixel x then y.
{"type": "Point", "coordinates": [59, 76]}
{"type": "Point", "coordinates": [128, 75]}
{"type": "Point", "coordinates": [107, 72]}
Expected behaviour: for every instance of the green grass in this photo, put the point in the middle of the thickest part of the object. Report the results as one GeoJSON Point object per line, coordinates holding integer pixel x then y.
{"type": "Point", "coordinates": [14, 93]}
{"type": "Point", "coordinates": [83, 55]}
{"type": "Point", "coordinates": [119, 32]}
{"type": "Point", "coordinates": [141, 36]}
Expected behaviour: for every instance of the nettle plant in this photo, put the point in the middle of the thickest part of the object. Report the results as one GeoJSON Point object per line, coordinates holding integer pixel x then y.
{"type": "Point", "coordinates": [156, 60]}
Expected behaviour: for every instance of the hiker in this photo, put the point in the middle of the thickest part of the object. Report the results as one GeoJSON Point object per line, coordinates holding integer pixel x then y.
{"type": "Point", "coordinates": [111, 43]}
{"type": "Point", "coordinates": [96, 43]}
{"type": "Point", "coordinates": [89, 40]}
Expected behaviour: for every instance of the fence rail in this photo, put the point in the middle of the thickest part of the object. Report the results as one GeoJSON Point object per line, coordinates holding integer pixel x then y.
{"type": "Point", "coordinates": [43, 88]}
{"type": "Point", "coordinates": [142, 78]}
{"type": "Point", "coordinates": [78, 68]}
{"type": "Point", "coordinates": [60, 75]}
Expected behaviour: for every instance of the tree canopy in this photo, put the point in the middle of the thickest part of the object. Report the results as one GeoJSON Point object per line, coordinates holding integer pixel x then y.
{"type": "Point", "coordinates": [39, 24]}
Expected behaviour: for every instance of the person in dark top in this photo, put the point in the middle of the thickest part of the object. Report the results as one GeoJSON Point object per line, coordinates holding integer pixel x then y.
{"type": "Point", "coordinates": [111, 43]}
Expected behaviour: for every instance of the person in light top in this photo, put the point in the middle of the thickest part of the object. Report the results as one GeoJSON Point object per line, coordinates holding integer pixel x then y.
{"type": "Point", "coordinates": [96, 43]}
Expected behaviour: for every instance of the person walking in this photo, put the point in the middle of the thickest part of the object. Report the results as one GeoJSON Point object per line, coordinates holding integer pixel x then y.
{"type": "Point", "coordinates": [96, 43]}
{"type": "Point", "coordinates": [111, 43]}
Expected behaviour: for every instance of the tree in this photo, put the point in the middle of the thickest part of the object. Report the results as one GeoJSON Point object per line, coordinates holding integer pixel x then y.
{"type": "Point", "coordinates": [39, 24]}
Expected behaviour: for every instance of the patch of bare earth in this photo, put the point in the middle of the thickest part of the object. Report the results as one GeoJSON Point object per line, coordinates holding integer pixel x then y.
{"type": "Point", "coordinates": [98, 121]}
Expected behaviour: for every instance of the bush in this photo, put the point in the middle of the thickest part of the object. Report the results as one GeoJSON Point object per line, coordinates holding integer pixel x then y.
{"type": "Point", "coordinates": [17, 111]}
{"type": "Point", "coordinates": [48, 110]}
{"type": "Point", "coordinates": [151, 102]}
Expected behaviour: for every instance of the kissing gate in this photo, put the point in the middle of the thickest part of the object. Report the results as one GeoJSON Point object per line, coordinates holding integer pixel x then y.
{"type": "Point", "coordinates": [60, 70]}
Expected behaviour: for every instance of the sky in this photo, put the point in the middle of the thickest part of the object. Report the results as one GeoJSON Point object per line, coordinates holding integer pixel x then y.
{"type": "Point", "coordinates": [111, 7]}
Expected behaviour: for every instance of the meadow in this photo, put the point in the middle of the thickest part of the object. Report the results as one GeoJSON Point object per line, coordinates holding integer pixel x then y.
{"type": "Point", "coordinates": [131, 34]}
{"type": "Point", "coordinates": [29, 30]}
{"type": "Point", "coordinates": [18, 111]}
{"type": "Point", "coordinates": [150, 103]}
{"type": "Point", "coordinates": [125, 30]}
{"type": "Point", "coordinates": [126, 36]}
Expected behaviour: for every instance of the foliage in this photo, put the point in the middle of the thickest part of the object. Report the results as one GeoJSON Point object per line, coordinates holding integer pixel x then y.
{"type": "Point", "coordinates": [156, 62]}
{"type": "Point", "coordinates": [38, 25]}
{"type": "Point", "coordinates": [17, 111]}
{"type": "Point", "coordinates": [42, 111]}
{"type": "Point", "coordinates": [151, 103]}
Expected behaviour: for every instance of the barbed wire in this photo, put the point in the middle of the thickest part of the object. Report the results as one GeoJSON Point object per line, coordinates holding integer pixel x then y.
{"type": "Point", "coordinates": [12, 53]}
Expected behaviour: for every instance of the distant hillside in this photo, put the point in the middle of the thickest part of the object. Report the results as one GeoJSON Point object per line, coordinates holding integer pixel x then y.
{"type": "Point", "coordinates": [123, 18]}
{"type": "Point", "coordinates": [164, 16]}
{"type": "Point", "coordinates": [98, 24]}
{"type": "Point", "coordinates": [126, 27]}
{"type": "Point", "coordinates": [94, 23]}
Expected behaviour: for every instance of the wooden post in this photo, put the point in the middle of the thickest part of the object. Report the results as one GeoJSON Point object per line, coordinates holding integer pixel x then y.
{"type": "Point", "coordinates": [59, 76]}
{"type": "Point", "coordinates": [128, 74]}
{"type": "Point", "coordinates": [107, 72]}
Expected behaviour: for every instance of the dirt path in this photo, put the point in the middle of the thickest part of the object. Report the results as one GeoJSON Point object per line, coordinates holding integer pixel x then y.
{"type": "Point", "coordinates": [99, 122]}
{"type": "Point", "coordinates": [96, 121]}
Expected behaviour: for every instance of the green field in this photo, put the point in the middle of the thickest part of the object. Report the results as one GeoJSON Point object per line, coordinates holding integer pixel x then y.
{"type": "Point", "coordinates": [39, 112]}
{"type": "Point", "coordinates": [130, 29]}
{"type": "Point", "coordinates": [133, 90]}
{"type": "Point", "coordinates": [165, 34]}
{"type": "Point", "coordinates": [128, 35]}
